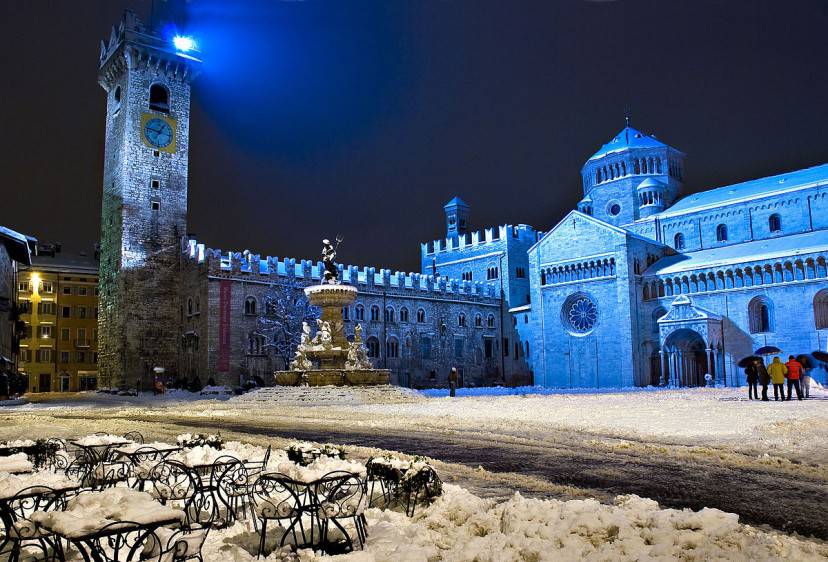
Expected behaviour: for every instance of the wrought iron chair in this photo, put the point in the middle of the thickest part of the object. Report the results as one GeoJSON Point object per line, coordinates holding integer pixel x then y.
{"type": "Point", "coordinates": [141, 463]}
{"type": "Point", "coordinates": [134, 436]}
{"type": "Point", "coordinates": [21, 531]}
{"type": "Point", "coordinates": [278, 498]}
{"type": "Point", "coordinates": [422, 485]}
{"type": "Point", "coordinates": [386, 478]}
{"type": "Point", "coordinates": [230, 482]}
{"type": "Point", "coordinates": [342, 496]}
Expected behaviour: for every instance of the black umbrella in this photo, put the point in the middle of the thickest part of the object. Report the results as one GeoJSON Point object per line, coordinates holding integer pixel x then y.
{"type": "Point", "coordinates": [806, 361]}
{"type": "Point", "coordinates": [748, 360]}
{"type": "Point", "coordinates": [768, 350]}
{"type": "Point", "coordinates": [820, 356]}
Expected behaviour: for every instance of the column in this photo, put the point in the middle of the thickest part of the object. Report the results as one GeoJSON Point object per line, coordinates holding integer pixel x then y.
{"type": "Point", "coordinates": [665, 371]}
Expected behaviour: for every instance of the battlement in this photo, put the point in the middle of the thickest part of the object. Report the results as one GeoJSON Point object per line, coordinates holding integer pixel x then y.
{"type": "Point", "coordinates": [493, 235]}
{"type": "Point", "coordinates": [365, 278]}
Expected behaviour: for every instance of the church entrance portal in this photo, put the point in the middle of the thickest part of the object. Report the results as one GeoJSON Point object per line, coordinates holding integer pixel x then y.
{"type": "Point", "coordinates": [685, 358]}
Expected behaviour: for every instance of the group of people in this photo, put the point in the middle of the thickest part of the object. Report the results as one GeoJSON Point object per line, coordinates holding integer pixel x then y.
{"type": "Point", "coordinates": [776, 373]}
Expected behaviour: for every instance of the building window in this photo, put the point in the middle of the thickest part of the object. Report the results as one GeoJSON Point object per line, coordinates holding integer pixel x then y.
{"type": "Point", "coordinates": [359, 312]}
{"type": "Point", "coordinates": [403, 314]}
{"type": "Point", "coordinates": [23, 286]}
{"type": "Point", "coordinates": [47, 287]}
{"type": "Point", "coordinates": [478, 320]}
{"type": "Point", "coordinates": [389, 314]}
{"type": "Point", "coordinates": [64, 356]}
{"type": "Point", "coordinates": [66, 312]}
{"type": "Point", "coordinates": [82, 291]}
{"type": "Point", "coordinates": [81, 312]}
{"type": "Point", "coordinates": [46, 308]}
{"type": "Point", "coordinates": [255, 344]}
{"type": "Point", "coordinates": [156, 205]}
{"type": "Point", "coordinates": [467, 276]}
{"type": "Point", "coordinates": [678, 241]}
{"type": "Point", "coordinates": [520, 273]}
{"type": "Point", "coordinates": [490, 321]}
{"type": "Point", "coordinates": [488, 348]}
{"type": "Point", "coordinates": [189, 307]}
{"type": "Point", "coordinates": [775, 223]}
{"type": "Point", "coordinates": [346, 314]}
{"type": "Point", "coordinates": [64, 334]}
{"type": "Point", "coordinates": [505, 347]}
{"type": "Point", "coordinates": [721, 233]}
{"type": "Point", "coordinates": [614, 209]}
{"type": "Point", "coordinates": [375, 313]}
{"type": "Point", "coordinates": [43, 356]}
{"type": "Point", "coordinates": [821, 309]}
{"type": "Point", "coordinates": [155, 184]}
{"type": "Point", "coordinates": [760, 315]}
{"type": "Point", "coordinates": [44, 332]}
{"type": "Point", "coordinates": [159, 98]}
{"type": "Point", "coordinates": [458, 348]}
{"type": "Point", "coordinates": [81, 357]}
{"type": "Point", "coordinates": [492, 273]}
{"type": "Point", "coordinates": [425, 347]}
{"type": "Point", "coordinates": [421, 317]}
{"type": "Point", "coordinates": [461, 320]}
{"type": "Point", "coordinates": [372, 344]}
{"type": "Point", "coordinates": [250, 306]}
{"type": "Point", "coordinates": [392, 348]}
{"type": "Point", "coordinates": [67, 290]}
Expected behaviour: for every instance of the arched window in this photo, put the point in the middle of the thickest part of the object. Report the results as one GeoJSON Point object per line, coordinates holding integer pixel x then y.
{"type": "Point", "coordinates": [389, 314]}
{"type": "Point", "coordinates": [255, 344]}
{"type": "Point", "coordinates": [250, 305]}
{"type": "Point", "coordinates": [116, 97]}
{"type": "Point", "coordinates": [359, 312]}
{"type": "Point", "coordinates": [490, 321]}
{"type": "Point", "coordinates": [372, 344]}
{"type": "Point", "coordinates": [403, 314]}
{"type": "Point", "coordinates": [821, 309]}
{"type": "Point", "coordinates": [760, 314]}
{"type": "Point", "coordinates": [189, 307]}
{"type": "Point", "coordinates": [721, 233]}
{"type": "Point", "coordinates": [374, 313]}
{"type": "Point", "coordinates": [461, 320]}
{"type": "Point", "coordinates": [478, 320]}
{"type": "Point", "coordinates": [658, 313]}
{"type": "Point", "coordinates": [197, 305]}
{"type": "Point", "coordinates": [346, 313]}
{"type": "Point", "coordinates": [678, 241]}
{"type": "Point", "coordinates": [392, 348]}
{"type": "Point", "coordinates": [658, 165]}
{"type": "Point", "coordinates": [775, 223]}
{"type": "Point", "coordinates": [421, 317]}
{"type": "Point", "coordinates": [159, 98]}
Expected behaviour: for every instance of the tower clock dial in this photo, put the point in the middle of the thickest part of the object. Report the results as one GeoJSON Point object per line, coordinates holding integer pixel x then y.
{"type": "Point", "coordinates": [158, 133]}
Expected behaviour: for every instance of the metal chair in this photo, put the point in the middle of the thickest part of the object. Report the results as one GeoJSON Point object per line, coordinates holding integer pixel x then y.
{"type": "Point", "coordinates": [278, 498]}
{"type": "Point", "coordinates": [342, 496]}
{"type": "Point", "coordinates": [21, 531]}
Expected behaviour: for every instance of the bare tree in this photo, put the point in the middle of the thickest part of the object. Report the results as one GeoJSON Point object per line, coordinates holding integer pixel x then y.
{"type": "Point", "coordinates": [286, 308]}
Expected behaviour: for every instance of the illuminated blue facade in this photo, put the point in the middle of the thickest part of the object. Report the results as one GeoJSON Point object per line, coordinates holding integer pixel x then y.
{"type": "Point", "coordinates": [638, 287]}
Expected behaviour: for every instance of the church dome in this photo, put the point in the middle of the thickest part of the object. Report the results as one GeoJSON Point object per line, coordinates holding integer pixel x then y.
{"type": "Point", "coordinates": [628, 138]}
{"type": "Point", "coordinates": [651, 184]}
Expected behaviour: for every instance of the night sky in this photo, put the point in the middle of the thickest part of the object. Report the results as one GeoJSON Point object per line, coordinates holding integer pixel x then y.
{"type": "Point", "coordinates": [364, 117]}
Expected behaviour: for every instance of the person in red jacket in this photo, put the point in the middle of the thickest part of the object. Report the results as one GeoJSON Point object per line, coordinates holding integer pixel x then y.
{"type": "Point", "coordinates": [794, 374]}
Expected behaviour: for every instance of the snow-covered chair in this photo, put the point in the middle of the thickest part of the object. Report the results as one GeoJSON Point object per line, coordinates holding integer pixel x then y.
{"type": "Point", "coordinates": [342, 496]}
{"type": "Point", "coordinates": [21, 531]}
{"type": "Point", "coordinates": [276, 497]}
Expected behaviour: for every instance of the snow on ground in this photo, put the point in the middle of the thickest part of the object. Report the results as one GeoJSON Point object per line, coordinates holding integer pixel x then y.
{"type": "Point", "coordinates": [460, 527]}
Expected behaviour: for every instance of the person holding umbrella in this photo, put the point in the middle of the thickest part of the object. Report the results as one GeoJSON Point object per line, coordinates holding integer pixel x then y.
{"type": "Point", "coordinates": [764, 378]}
{"type": "Point", "coordinates": [778, 371]}
{"type": "Point", "coordinates": [752, 375]}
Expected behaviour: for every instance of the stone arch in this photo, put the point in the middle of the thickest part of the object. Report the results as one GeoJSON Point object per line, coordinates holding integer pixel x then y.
{"type": "Point", "coordinates": [686, 357]}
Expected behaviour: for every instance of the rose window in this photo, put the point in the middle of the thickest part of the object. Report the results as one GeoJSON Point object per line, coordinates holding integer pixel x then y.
{"type": "Point", "coordinates": [580, 314]}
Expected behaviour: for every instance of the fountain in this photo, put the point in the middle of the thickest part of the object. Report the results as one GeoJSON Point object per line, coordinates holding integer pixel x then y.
{"type": "Point", "coordinates": [328, 358]}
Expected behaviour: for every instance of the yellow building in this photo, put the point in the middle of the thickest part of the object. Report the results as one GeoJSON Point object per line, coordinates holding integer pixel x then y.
{"type": "Point", "coordinates": [58, 298]}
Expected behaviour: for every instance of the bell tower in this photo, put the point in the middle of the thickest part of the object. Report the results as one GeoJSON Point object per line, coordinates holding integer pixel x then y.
{"type": "Point", "coordinates": [457, 216]}
{"type": "Point", "coordinates": [144, 211]}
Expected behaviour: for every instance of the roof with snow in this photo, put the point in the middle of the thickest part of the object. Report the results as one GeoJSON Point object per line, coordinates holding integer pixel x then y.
{"type": "Point", "coordinates": [19, 246]}
{"type": "Point", "coordinates": [628, 138]}
{"type": "Point", "coordinates": [785, 246]}
{"type": "Point", "coordinates": [745, 191]}
{"type": "Point", "coordinates": [456, 202]}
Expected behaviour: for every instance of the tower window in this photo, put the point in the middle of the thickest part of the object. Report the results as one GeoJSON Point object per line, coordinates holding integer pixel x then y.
{"type": "Point", "coordinates": [615, 209]}
{"type": "Point", "coordinates": [678, 241]}
{"type": "Point", "coordinates": [155, 184]}
{"type": "Point", "coordinates": [156, 205]}
{"type": "Point", "coordinates": [721, 233]}
{"type": "Point", "coordinates": [156, 153]}
{"type": "Point", "coordinates": [775, 223]}
{"type": "Point", "coordinates": [116, 95]}
{"type": "Point", "coordinates": [159, 98]}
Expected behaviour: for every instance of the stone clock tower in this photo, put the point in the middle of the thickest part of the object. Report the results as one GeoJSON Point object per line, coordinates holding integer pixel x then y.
{"type": "Point", "coordinates": [144, 215]}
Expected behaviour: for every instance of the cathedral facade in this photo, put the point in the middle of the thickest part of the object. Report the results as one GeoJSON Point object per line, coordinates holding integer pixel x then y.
{"type": "Point", "coordinates": [636, 287]}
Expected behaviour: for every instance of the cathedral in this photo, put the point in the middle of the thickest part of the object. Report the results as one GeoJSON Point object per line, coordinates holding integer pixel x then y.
{"type": "Point", "coordinates": [659, 289]}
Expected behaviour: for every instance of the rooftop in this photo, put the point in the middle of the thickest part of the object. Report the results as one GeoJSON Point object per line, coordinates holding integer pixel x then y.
{"type": "Point", "coordinates": [19, 246]}
{"type": "Point", "coordinates": [456, 202]}
{"type": "Point", "coordinates": [628, 138]}
{"type": "Point", "coordinates": [784, 246]}
{"type": "Point", "coordinates": [752, 189]}
{"type": "Point", "coordinates": [52, 257]}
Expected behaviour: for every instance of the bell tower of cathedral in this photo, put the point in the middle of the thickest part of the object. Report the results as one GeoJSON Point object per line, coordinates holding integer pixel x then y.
{"type": "Point", "coordinates": [631, 177]}
{"type": "Point", "coordinates": [144, 212]}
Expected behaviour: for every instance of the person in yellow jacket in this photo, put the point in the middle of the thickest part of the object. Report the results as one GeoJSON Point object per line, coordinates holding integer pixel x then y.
{"type": "Point", "coordinates": [777, 371]}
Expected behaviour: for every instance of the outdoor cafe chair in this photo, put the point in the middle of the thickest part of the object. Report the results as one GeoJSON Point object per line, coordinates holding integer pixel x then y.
{"type": "Point", "coordinates": [276, 497]}
{"type": "Point", "coordinates": [21, 531]}
{"type": "Point", "coordinates": [230, 482]}
{"type": "Point", "coordinates": [341, 497]}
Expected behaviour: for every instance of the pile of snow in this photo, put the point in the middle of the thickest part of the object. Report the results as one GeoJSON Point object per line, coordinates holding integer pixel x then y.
{"type": "Point", "coordinates": [13, 484]}
{"type": "Point", "coordinates": [101, 440]}
{"type": "Point", "coordinates": [520, 390]}
{"type": "Point", "coordinates": [89, 512]}
{"type": "Point", "coordinates": [330, 395]}
{"type": "Point", "coordinates": [205, 455]}
{"type": "Point", "coordinates": [14, 402]}
{"type": "Point", "coordinates": [17, 444]}
{"type": "Point", "coordinates": [216, 391]}
{"type": "Point", "coordinates": [16, 463]}
{"type": "Point", "coordinates": [317, 469]}
{"type": "Point", "coordinates": [145, 447]}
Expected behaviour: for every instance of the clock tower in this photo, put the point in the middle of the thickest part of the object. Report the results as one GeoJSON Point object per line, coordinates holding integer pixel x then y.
{"type": "Point", "coordinates": [144, 206]}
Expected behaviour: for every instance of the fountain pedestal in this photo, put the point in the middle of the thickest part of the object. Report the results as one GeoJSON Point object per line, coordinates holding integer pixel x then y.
{"type": "Point", "coordinates": [329, 358]}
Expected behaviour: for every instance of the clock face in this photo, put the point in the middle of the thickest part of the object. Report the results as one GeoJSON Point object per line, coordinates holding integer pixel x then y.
{"type": "Point", "coordinates": [158, 133]}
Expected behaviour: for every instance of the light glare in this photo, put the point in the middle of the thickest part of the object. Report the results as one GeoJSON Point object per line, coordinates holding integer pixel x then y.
{"type": "Point", "coordinates": [183, 43]}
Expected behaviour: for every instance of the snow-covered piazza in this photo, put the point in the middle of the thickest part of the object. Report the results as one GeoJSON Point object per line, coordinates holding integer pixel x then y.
{"type": "Point", "coordinates": [696, 474]}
